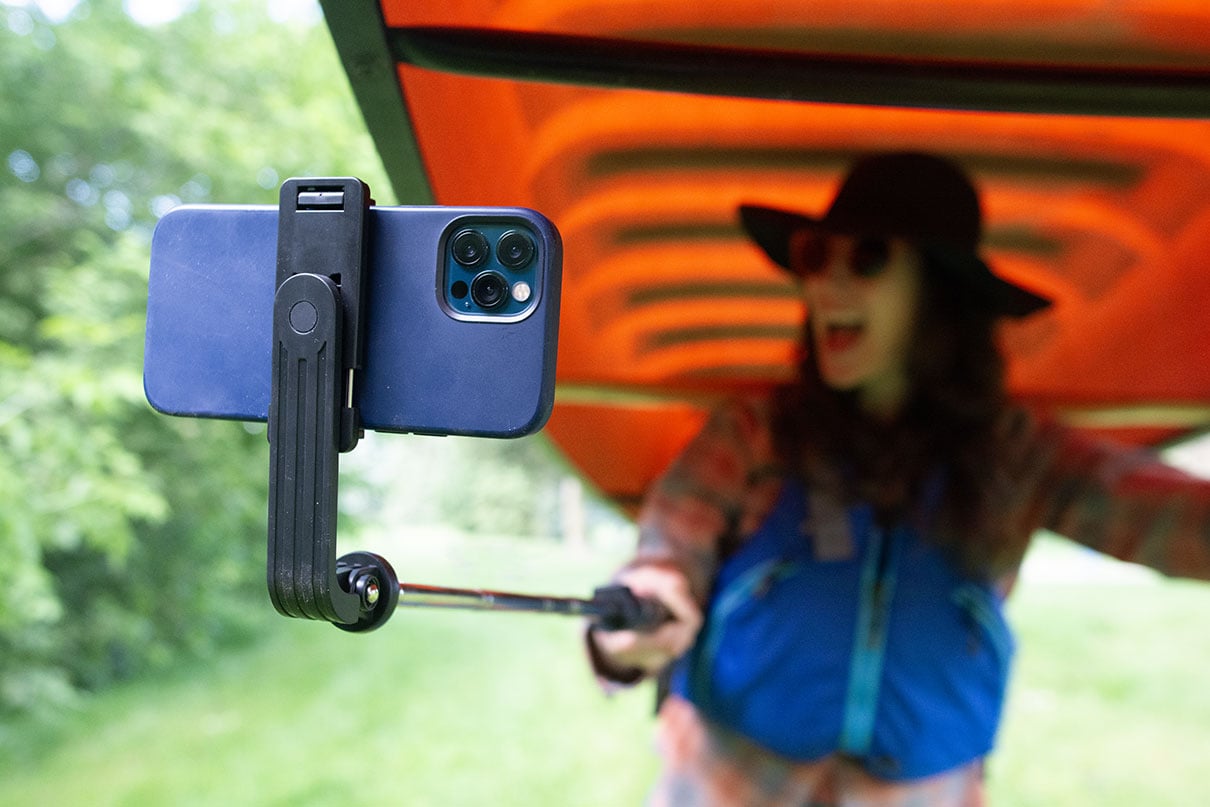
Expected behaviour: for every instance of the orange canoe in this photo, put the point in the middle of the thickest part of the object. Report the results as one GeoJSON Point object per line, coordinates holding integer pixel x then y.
{"type": "Point", "coordinates": [638, 127]}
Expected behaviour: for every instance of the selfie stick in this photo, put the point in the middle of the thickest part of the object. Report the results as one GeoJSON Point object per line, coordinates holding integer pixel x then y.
{"type": "Point", "coordinates": [318, 332]}
{"type": "Point", "coordinates": [610, 608]}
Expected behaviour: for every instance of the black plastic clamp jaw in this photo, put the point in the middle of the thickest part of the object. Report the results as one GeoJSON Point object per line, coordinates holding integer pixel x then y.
{"type": "Point", "coordinates": [318, 335]}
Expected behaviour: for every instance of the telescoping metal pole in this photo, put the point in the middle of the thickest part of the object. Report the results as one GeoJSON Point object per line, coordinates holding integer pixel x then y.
{"type": "Point", "coordinates": [610, 608]}
{"type": "Point", "coordinates": [372, 580]}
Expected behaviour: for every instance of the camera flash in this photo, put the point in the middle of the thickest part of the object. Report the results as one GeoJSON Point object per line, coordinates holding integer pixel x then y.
{"type": "Point", "coordinates": [521, 292]}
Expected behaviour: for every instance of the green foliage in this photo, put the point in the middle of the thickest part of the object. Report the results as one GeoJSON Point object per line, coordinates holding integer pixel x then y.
{"type": "Point", "coordinates": [502, 487]}
{"type": "Point", "coordinates": [518, 487]}
{"type": "Point", "coordinates": [127, 536]}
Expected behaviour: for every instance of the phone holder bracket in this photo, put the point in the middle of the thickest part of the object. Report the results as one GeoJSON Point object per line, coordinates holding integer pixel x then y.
{"type": "Point", "coordinates": [318, 337]}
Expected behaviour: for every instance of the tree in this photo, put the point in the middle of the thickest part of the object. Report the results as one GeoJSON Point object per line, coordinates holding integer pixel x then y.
{"type": "Point", "coordinates": [128, 536]}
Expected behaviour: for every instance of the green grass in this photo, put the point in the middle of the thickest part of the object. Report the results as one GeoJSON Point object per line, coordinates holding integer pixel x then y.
{"type": "Point", "coordinates": [436, 708]}
{"type": "Point", "coordinates": [1109, 706]}
{"type": "Point", "coordinates": [1110, 703]}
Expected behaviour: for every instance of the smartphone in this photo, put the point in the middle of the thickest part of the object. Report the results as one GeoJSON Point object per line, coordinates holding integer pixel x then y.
{"type": "Point", "coordinates": [461, 317]}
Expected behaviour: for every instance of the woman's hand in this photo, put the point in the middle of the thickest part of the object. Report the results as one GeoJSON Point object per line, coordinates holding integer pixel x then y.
{"type": "Point", "coordinates": [627, 654]}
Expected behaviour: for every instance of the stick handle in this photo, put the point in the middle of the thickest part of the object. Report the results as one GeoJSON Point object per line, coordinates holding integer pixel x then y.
{"type": "Point", "coordinates": [618, 608]}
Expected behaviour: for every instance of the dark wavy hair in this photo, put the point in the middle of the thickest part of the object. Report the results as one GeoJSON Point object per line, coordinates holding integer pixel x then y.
{"type": "Point", "coordinates": [948, 435]}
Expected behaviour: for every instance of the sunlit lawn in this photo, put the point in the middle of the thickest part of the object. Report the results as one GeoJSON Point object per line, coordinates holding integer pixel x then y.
{"type": "Point", "coordinates": [1109, 707]}
{"type": "Point", "coordinates": [1110, 704]}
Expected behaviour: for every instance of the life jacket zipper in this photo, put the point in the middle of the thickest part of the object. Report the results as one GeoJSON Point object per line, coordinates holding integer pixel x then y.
{"type": "Point", "coordinates": [869, 646]}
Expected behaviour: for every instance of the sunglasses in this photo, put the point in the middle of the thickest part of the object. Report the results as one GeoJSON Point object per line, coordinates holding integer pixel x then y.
{"type": "Point", "coordinates": [811, 252]}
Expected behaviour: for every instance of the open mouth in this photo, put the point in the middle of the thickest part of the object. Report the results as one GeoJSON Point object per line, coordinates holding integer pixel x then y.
{"type": "Point", "coordinates": [842, 335]}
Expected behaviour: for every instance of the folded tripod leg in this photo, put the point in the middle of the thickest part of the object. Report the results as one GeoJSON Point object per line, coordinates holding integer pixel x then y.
{"type": "Point", "coordinates": [317, 338]}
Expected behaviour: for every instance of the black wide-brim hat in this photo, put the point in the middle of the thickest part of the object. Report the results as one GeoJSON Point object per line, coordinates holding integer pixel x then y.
{"type": "Point", "coordinates": [921, 198]}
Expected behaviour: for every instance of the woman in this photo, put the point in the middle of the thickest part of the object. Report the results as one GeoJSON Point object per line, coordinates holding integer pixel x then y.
{"type": "Point", "coordinates": [835, 558]}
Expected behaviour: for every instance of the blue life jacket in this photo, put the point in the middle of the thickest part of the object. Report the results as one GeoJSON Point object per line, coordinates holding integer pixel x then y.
{"type": "Point", "coordinates": [882, 651]}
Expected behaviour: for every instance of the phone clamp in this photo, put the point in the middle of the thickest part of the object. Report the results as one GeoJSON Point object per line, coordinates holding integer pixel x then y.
{"type": "Point", "coordinates": [318, 337]}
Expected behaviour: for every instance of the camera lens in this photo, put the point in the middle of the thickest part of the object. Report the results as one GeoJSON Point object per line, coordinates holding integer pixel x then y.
{"type": "Point", "coordinates": [515, 249]}
{"type": "Point", "coordinates": [469, 247]}
{"type": "Point", "coordinates": [489, 290]}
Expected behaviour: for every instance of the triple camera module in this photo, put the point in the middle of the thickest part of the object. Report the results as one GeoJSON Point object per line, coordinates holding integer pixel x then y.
{"type": "Point", "coordinates": [491, 270]}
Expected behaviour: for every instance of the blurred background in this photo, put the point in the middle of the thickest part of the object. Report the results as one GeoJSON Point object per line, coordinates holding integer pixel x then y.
{"type": "Point", "coordinates": [140, 659]}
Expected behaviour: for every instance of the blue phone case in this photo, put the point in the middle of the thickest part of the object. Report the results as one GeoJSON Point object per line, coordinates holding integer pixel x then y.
{"type": "Point", "coordinates": [434, 363]}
